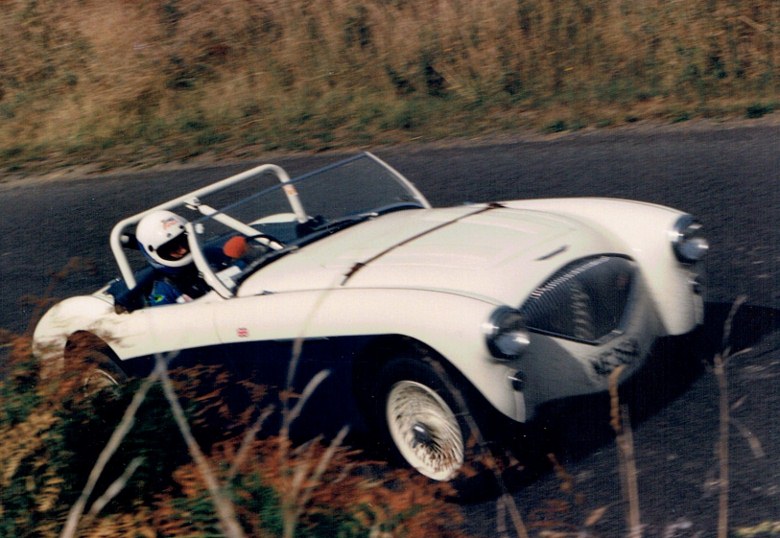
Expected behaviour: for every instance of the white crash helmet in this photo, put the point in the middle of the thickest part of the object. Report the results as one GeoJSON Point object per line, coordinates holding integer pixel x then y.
{"type": "Point", "coordinates": [161, 235]}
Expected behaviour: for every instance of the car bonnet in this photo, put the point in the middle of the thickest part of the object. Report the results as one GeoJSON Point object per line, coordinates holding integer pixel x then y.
{"type": "Point", "coordinates": [488, 251]}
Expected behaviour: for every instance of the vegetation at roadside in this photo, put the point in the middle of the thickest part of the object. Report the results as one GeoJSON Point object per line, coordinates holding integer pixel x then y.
{"type": "Point", "coordinates": [117, 82]}
{"type": "Point", "coordinates": [52, 434]}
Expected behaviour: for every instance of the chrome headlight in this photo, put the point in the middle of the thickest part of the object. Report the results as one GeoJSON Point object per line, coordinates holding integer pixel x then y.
{"type": "Point", "coordinates": [688, 241]}
{"type": "Point", "coordinates": [506, 335]}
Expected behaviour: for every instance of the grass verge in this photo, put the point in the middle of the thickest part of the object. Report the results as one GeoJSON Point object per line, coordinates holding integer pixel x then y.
{"type": "Point", "coordinates": [116, 83]}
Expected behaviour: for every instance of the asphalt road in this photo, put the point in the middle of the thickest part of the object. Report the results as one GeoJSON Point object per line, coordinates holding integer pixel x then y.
{"type": "Point", "coordinates": [726, 176]}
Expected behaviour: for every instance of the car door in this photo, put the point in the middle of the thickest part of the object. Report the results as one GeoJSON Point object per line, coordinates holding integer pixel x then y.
{"type": "Point", "coordinates": [262, 334]}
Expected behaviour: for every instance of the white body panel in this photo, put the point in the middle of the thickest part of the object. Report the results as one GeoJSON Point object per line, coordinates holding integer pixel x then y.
{"type": "Point", "coordinates": [434, 276]}
{"type": "Point", "coordinates": [643, 229]}
{"type": "Point", "coordinates": [511, 246]}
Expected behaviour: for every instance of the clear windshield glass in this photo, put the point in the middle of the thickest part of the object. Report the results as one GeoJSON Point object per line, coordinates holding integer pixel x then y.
{"type": "Point", "coordinates": [266, 221]}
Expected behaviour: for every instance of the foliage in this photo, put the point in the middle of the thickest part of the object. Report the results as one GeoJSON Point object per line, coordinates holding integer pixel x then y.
{"type": "Point", "coordinates": [112, 80]}
{"type": "Point", "coordinates": [51, 434]}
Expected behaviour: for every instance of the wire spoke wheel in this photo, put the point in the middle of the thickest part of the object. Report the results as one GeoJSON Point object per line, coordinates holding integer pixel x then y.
{"type": "Point", "coordinates": [97, 362]}
{"type": "Point", "coordinates": [425, 430]}
{"type": "Point", "coordinates": [99, 378]}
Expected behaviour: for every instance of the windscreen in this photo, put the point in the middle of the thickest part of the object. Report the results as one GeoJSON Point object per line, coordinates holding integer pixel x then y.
{"type": "Point", "coordinates": [289, 215]}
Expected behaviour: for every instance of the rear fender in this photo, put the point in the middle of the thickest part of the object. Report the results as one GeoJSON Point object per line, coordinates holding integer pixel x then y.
{"type": "Point", "coordinates": [75, 314]}
{"type": "Point", "coordinates": [140, 333]}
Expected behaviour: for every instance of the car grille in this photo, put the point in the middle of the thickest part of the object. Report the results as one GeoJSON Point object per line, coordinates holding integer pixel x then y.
{"type": "Point", "coordinates": [586, 300]}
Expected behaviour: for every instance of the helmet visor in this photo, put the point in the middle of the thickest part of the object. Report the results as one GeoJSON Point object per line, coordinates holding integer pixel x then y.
{"type": "Point", "coordinates": [175, 249]}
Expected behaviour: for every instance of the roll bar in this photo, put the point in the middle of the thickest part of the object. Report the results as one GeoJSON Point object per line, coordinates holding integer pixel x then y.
{"type": "Point", "coordinates": [191, 200]}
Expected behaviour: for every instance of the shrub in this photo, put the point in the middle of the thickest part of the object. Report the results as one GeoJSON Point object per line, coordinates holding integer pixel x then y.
{"type": "Point", "coordinates": [51, 434]}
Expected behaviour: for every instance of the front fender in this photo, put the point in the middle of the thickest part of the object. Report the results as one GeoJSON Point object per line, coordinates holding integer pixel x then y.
{"type": "Point", "coordinates": [642, 231]}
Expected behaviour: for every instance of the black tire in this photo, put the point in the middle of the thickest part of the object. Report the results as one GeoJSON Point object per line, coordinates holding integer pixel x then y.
{"type": "Point", "coordinates": [423, 418]}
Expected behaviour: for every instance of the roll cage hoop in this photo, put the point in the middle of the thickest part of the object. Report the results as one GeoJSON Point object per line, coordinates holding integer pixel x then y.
{"type": "Point", "coordinates": [120, 238]}
{"type": "Point", "coordinates": [191, 200]}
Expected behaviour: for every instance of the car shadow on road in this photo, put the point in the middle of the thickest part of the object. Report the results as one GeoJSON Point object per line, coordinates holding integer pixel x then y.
{"type": "Point", "coordinates": [574, 428]}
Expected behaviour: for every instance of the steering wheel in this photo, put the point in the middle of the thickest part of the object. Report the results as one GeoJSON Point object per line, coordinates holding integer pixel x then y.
{"type": "Point", "coordinates": [267, 240]}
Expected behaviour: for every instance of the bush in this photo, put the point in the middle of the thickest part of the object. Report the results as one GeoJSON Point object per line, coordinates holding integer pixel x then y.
{"type": "Point", "coordinates": [51, 434]}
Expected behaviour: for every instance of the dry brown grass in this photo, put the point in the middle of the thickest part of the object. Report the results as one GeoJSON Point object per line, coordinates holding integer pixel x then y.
{"type": "Point", "coordinates": [244, 484]}
{"type": "Point", "coordinates": [112, 79]}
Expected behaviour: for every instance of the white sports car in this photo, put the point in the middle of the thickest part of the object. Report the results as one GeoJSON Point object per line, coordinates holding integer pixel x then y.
{"type": "Point", "coordinates": [427, 315]}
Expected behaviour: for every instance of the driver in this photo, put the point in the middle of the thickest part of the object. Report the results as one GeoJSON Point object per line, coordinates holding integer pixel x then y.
{"type": "Point", "coordinates": [163, 240]}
